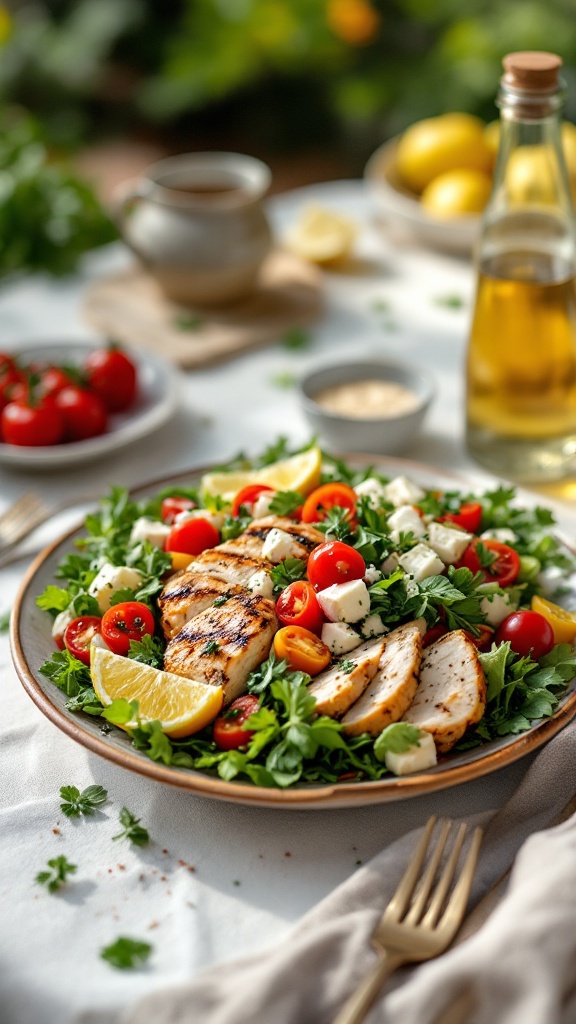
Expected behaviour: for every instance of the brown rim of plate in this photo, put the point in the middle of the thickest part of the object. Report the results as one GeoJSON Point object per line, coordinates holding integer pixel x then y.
{"type": "Point", "coordinates": [343, 794]}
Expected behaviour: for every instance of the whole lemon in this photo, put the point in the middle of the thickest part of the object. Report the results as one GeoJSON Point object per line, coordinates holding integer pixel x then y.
{"type": "Point", "coordinates": [530, 175]}
{"type": "Point", "coordinates": [438, 144]}
{"type": "Point", "coordinates": [455, 193]}
{"type": "Point", "coordinates": [492, 138]}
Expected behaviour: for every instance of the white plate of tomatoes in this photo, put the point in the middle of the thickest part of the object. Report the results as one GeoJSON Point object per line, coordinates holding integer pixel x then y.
{"type": "Point", "coordinates": [63, 403]}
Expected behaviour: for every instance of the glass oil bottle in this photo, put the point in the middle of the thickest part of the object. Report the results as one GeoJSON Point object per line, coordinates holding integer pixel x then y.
{"type": "Point", "coordinates": [521, 366]}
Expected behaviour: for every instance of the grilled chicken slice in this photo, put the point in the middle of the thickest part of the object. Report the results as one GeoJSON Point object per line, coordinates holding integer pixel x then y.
{"type": "Point", "coordinates": [338, 687]}
{"type": "Point", "coordinates": [186, 594]}
{"type": "Point", "coordinates": [391, 691]}
{"type": "Point", "coordinates": [304, 537]}
{"type": "Point", "coordinates": [222, 645]}
{"type": "Point", "coordinates": [227, 565]}
{"type": "Point", "coordinates": [451, 694]}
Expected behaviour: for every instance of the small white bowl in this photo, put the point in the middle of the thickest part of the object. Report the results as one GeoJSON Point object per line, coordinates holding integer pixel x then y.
{"type": "Point", "coordinates": [384, 435]}
{"type": "Point", "coordinates": [401, 207]}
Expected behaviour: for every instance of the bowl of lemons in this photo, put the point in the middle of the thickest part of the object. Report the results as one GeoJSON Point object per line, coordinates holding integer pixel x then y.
{"type": "Point", "coordinates": [435, 179]}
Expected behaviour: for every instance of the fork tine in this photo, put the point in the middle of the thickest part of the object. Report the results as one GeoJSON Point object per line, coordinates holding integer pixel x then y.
{"type": "Point", "coordinates": [426, 882]}
{"type": "Point", "coordinates": [399, 902]}
{"type": "Point", "coordinates": [445, 881]}
{"type": "Point", "coordinates": [452, 916]}
{"type": "Point", "coordinates": [20, 507]}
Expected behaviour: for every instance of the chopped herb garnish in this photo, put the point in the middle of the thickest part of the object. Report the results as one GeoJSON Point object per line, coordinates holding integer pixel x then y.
{"type": "Point", "coordinates": [126, 954]}
{"type": "Point", "coordinates": [74, 803]}
{"type": "Point", "coordinates": [54, 879]}
{"type": "Point", "coordinates": [449, 301]}
{"type": "Point", "coordinates": [296, 338]}
{"type": "Point", "coordinates": [396, 738]}
{"type": "Point", "coordinates": [132, 829]}
{"type": "Point", "coordinates": [212, 647]}
{"type": "Point", "coordinates": [284, 503]}
{"type": "Point", "coordinates": [219, 601]}
{"type": "Point", "coordinates": [346, 666]}
{"type": "Point", "coordinates": [286, 572]}
{"type": "Point", "coordinates": [188, 322]}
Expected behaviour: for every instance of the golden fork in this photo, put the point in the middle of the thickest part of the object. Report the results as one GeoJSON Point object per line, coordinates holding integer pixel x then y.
{"type": "Point", "coordinates": [422, 918]}
{"type": "Point", "coordinates": [25, 515]}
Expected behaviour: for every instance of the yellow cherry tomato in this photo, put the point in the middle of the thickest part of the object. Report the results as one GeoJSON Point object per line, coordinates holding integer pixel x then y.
{"type": "Point", "coordinates": [563, 622]}
{"type": "Point", "coordinates": [303, 650]}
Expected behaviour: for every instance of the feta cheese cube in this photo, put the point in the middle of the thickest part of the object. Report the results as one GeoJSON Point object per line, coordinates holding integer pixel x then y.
{"type": "Point", "coordinates": [345, 602]}
{"type": "Point", "coordinates": [373, 490]}
{"type": "Point", "coordinates": [372, 625]}
{"type": "Point", "coordinates": [339, 637]}
{"type": "Point", "coordinates": [110, 579]}
{"type": "Point", "coordinates": [279, 545]}
{"type": "Point", "coordinates": [151, 530]}
{"type": "Point", "coordinates": [390, 564]}
{"type": "Point", "coordinates": [421, 562]}
{"type": "Point", "coordinates": [215, 518]}
{"type": "Point", "coordinates": [418, 758]}
{"type": "Point", "coordinates": [405, 520]}
{"type": "Point", "coordinates": [261, 506]}
{"type": "Point", "coordinates": [260, 583]}
{"type": "Point", "coordinates": [496, 607]}
{"type": "Point", "coordinates": [501, 533]}
{"type": "Point", "coordinates": [448, 542]}
{"type": "Point", "coordinates": [372, 575]}
{"type": "Point", "coordinates": [402, 491]}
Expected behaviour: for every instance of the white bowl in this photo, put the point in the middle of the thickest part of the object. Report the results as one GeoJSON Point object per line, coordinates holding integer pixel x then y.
{"type": "Point", "coordinates": [385, 435]}
{"type": "Point", "coordinates": [401, 207]}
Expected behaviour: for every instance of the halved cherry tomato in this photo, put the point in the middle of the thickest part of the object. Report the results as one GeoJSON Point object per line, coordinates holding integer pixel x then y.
{"type": "Point", "coordinates": [112, 375]}
{"type": "Point", "coordinates": [433, 633]}
{"type": "Point", "coordinates": [247, 496]}
{"type": "Point", "coordinates": [528, 633]}
{"type": "Point", "coordinates": [334, 562]}
{"type": "Point", "coordinates": [503, 570]}
{"type": "Point", "coordinates": [192, 536]}
{"type": "Point", "coordinates": [298, 606]}
{"type": "Point", "coordinates": [129, 620]}
{"type": "Point", "coordinates": [83, 411]}
{"type": "Point", "coordinates": [303, 650]}
{"type": "Point", "coordinates": [328, 496]}
{"type": "Point", "coordinates": [173, 506]}
{"type": "Point", "coordinates": [79, 633]}
{"type": "Point", "coordinates": [469, 516]}
{"type": "Point", "coordinates": [228, 731]}
{"type": "Point", "coordinates": [32, 423]}
{"type": "Point", "coordinates": [482, 642]}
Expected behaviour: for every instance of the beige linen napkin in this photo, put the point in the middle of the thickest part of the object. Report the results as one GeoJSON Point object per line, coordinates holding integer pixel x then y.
{"type": "Point", "coordinates": [518, 968]}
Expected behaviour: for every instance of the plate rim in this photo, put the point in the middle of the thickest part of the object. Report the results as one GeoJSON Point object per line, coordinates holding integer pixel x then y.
{"type": "Point", "coordinates": [329, 796]}
{"type": "Point", "coordinates": [62, 455]}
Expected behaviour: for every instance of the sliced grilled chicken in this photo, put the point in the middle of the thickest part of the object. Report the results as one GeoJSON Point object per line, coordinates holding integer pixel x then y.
{"type": "Point", "coordinates": [451, 694]}
{"type": "Point", "coordinates": [186, 594]}
{"type": "Point", "coordinates": [338, 687]}
{"type": "Point", "coordinates": [222, 645]}
{"type": "Point", "coordinates": [391, 691]}
{"type": "Point", "coordinates": [228, 565]}
{"type": "Point", "coordinates": [304, 537]}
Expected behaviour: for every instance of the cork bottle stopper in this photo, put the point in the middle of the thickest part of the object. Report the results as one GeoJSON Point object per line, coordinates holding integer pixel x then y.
{"type": "Point", "coordinates": [533, 71]}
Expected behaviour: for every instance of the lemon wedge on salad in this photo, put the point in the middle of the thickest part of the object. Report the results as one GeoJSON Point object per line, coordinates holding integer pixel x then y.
{"type": "Point", "coordinates": [182, 706]}
{"type": "Point", "coordinates": [298, 473]}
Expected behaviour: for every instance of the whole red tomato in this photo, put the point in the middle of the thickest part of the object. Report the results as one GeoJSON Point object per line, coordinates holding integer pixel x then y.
{"type": "Point", "coordinates": [129, 620]}
{"type": "Point", "coordinates": [32, 422]}
{"type": "Point", "coordinates": [54, 379]}
{"type": "Point", "coordinates": [334, 562]}
{"type": "Point", "coordinates": [83, 412]}
{"type": "Point", "coordinates": [528, 633]}
{"type": "Point", "coordinates": [112, 375]}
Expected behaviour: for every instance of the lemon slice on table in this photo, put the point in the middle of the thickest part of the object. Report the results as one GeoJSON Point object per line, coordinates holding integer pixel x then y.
{"type": "Point", "coordinates": [563, 622]}
{"type": "Point", "coordinates": [298, 473]}
{"type": "Point", "coordinates": [182, 706]}
{"type": "Point", "coordinates": [321, 236]}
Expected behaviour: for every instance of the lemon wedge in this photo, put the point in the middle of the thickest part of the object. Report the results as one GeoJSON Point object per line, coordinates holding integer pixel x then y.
{"type": "Point", "coordinates": [182, 706]}
{"type": "Point", "coordinates": [298, 473]}
{"type": "Point", "coordinates": [321, 236]}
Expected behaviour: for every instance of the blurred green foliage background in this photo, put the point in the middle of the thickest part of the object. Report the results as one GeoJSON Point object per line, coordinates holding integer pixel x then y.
{"type": "Point", "coordinates": [266, 75]}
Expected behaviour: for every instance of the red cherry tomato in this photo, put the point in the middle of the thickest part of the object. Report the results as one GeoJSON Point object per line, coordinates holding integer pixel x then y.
{"type": "Point", "coordinates": [528, 633]}
{"type": "Point", "coordinates": [298, 606]}
{"type": "Point", "coordinates": [482, 642]}
{"type": "Point", "coordinates": [433, 634]}
{"type": "Point", "coordinates": [303, 650]}
{"type": "Point", "coordinates": [79, 633]}
{"type": "Point", "coordinates": [328, 496]}
{"type": "Point", "coordinates": [173, 506]}
{"type": "Point", "coordinates": [83, 411]}
{"type": "Point", "coordinates": [334, 562]}
{"type": "Point", "coordinates": [129, 620]}
{"type": "Point", "coordinates": [192, 536]}
{"type": "Point", "coordinates": [9, 372]}
{"type": "Point", "coordinates": [228, 730]}
{"type": "Point", "coordinates": [247, 496]}
{"type": "Point", "coordinates": [53, 380]}
{"type": "Point", "coordinates": [112, 375]}
{"type": "Point", "coordinates": [503, 570]}
{"type": "Point", "coordinates": [32, 423]}
{"type": "Point", "coordinates": [469, 516]}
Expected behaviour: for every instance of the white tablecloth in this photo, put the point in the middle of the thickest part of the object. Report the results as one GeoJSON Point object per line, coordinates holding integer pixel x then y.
{"type": "Point", "coordinates": [217, 879]}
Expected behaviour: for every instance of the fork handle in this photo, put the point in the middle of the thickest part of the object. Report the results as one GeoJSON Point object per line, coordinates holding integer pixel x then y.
{"type": "Point", "coordinates": [357, 1006]}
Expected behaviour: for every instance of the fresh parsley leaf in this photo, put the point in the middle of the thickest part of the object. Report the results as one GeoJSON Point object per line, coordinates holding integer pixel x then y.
{"type": "Point", "coordinates": [149, 651]}
{"type": "Point", "coordinates": [121, 711]}
{"type": "Point", "coordinates": [233, 526]}
{"type": "Point", "coordinates": [67, 673]}
{"type": "Point", "coordinates": [211, 647]}
{"type": "Point", "coordinates": [54, 879]}
{"type": "Point", "coordinates": [149, 738]}
{"type": "Point", "coordinates": [284, 503]}
{"type": "Point", "coordinates": [86, 700]}
{"type": "Point", "coordinates": [126, 954]}
{"type": "Point", "coordinates": [132, 829]}
{"type": "Point", "coordinates": [396, 738]}
{"type": "Point", "coordinates": [336, 524]}
{"type": "Point", "coordinates": [74, 803]}
{"type": "Point", "coordinates": [286, 572]}
{"type": "Point", "coordinates": [485, 556]}
{"type": "Point", "coordinates": [219, 601]}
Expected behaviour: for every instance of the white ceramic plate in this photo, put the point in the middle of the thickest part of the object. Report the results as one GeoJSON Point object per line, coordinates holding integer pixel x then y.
{"type": "Point", "coordinates": [156, 402]}
{"type": "Point", "coordinates": [32, 644]}
{"type": "Point", "coordinates": [401, 207]}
